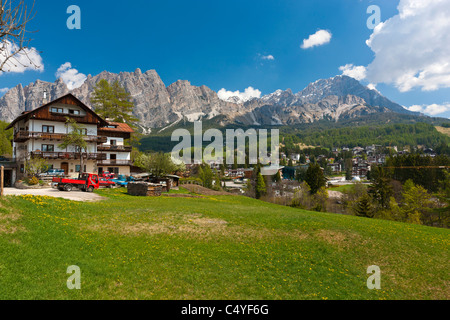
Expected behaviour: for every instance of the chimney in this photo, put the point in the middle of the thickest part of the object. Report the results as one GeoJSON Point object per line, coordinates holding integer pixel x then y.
{"type": "Point", "coordinates": [44, 100]}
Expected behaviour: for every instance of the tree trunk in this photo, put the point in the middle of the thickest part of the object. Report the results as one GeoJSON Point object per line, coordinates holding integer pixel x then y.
{"type": "Point", "coordinates": [81, 162]}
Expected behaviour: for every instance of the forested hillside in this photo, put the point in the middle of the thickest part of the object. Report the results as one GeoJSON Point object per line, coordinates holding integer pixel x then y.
{"type": "Point", "coordinates": [385, 135]}
{"type": "Point", "coordinates": [330, 135]}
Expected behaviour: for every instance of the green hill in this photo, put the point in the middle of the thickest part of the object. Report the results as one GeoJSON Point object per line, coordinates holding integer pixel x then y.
{"type": "Point", "coordinates": [212, 247]}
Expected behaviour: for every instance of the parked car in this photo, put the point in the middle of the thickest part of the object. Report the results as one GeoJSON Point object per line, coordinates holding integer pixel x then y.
{"type": "Point", "coordinates": [123, 180]}
{"type": "Point", "coordinates": [53, 173]}
{"type": "Point", "coordinates": [107, 183]}
{"type": "Point", "coordinates": [107, 175]}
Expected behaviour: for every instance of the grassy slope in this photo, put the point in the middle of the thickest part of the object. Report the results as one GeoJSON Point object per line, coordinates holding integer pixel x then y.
{"type": "Point", "coordinates": [222, 247]}
{"type": "Point", "coordinates": [443, 130]}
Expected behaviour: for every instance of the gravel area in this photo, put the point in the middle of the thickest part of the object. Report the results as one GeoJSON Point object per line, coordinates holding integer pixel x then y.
{"type": "Point", "coordinates": [72, 195]}
{"type": "Point", "coordinates": [335, 194]}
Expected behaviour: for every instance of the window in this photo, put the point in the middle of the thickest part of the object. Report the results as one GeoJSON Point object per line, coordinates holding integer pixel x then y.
{"type": "Point", "coordinates": [56, 110]}
{"type": "Point", "coordinates": [113, 156]}
{"type": "Point", "coordinates": [111, 127]}
{"type": "Point", "coordinates": [83, 131]}
{"type": "Point", "coordinates": [48, 129]}
{"type": "Point", "coordinates": [75, 112]}
{"type": "Point", "coordinates": [48, 148]}
{"type": "Point", "coordinates": [113, 142]}
{"type": "Point", "coordinates": [78, 167]}
{"type": "Point", "coordinates": [78, 149]}
{"type": "Point", "coordinates": [114, 170]}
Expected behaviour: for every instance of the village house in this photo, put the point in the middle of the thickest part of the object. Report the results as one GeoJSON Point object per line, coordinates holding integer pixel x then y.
{"type": "Point", "coordinates": [38, 133]}
{"type": "Point", "coordinates": [295, 157]}
{"type": "Point", "coordinates": [335, 167]}
{"type": "Point", "coordinates": [360, 169]}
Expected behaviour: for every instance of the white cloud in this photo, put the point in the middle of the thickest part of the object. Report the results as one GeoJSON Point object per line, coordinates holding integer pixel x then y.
{"type": "Point", "coordinates": [71, 77]}
{"type": "Point", "coordinates": [372, 86]}
{"type": "Point", "coordinates": [3, 90]}
{"type": "Point", "coordinates": [28, 59]}
{"type": "Point", "coordinates": [412, 48]}
{"type": "Point", "coordinates": [248, 94]}
{"type": "Point", "coordinates": [432, 109]}
{"type": "Point", "coordinates": [319, 38]}
{"type": "Point", "coordinates": [268, 57]}
{"type": "Point", "coordinates": [356, 72]}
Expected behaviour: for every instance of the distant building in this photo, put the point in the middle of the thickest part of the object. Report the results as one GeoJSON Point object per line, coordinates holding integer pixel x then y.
{"type": "Point", "coordinates": [294, 156]}
{"type": "Point", "coordinates": [360, 169]}
{"type": "Point", "coordinates": [272, 170]}
{"type": "Point", "coordinates": [335, 167]}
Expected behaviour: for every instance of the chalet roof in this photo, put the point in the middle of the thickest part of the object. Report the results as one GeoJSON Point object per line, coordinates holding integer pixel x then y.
{"type": "Point", "coordinates": [29, 114]}
{"type": "Point", "coordinates": [120, 127]}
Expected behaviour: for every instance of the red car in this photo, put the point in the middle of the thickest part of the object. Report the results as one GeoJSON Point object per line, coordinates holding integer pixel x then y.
{"type": "Point", "coordinates": [107, 175]}
{"type": "Point", "coordinates": [106, 183]}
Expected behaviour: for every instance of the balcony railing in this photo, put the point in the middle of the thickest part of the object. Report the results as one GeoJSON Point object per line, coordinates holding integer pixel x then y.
{"type": "Point", "coordinates": [22, 136]}
{"type": "Point", "coordinates": [111, 162]}
{"type": "Point", "coordinates": [68, 155]}
{"type": "Point", "coordinates": [113, 148]}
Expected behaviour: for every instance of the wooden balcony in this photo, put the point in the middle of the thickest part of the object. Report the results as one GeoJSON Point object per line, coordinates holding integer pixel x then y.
{"type": "Point", "coordinates": [67, 155]}
{"type": "Point", "coordinates": [7, 162]}
{"type": "Point", "coordinates": [111, 148]}
{"type": "Point", "coordinates": [112, 162]}
{"type": "Point", "coordinates": [22, 136]}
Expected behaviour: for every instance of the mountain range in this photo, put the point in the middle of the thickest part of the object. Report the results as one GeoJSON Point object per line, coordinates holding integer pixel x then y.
{"type": "Point", "coordinates": [158, 106]}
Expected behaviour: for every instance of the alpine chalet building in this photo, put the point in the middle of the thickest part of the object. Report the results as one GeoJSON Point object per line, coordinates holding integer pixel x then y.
{"type": "Point", "coordinates": [38, 133]}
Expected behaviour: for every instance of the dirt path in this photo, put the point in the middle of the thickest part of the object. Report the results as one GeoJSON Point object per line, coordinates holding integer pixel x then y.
{"type": "Point", "coordinates": [73, 195]}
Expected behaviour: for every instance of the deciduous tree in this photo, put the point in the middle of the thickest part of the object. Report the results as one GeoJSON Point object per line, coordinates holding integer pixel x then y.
{"type": "Point", "coordinates": [158, 164]}
{"type": "Point", "coordinates": [76, 139]}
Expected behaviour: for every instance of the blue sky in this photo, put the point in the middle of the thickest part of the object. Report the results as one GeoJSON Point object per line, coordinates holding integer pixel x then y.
{"type": "Point", "coordinates": [239, 44]}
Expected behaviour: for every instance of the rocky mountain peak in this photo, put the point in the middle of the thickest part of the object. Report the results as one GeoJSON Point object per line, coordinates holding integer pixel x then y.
{"type": "Point", "coordinates": [159, 106]}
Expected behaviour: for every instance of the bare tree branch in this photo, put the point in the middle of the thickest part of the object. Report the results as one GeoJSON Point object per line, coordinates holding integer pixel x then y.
{"type": "Point", "coordinates": [14, 43]}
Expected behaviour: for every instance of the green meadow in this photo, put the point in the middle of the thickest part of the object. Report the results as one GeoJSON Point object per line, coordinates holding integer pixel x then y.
{"type": "Point", "coordinates": [211, 247]}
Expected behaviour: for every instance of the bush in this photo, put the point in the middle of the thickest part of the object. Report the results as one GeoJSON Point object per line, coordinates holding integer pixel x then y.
{"type": "Point", "coordinates": [33, 181]}
{"type": "Point", "coordinates": [191, 181]}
